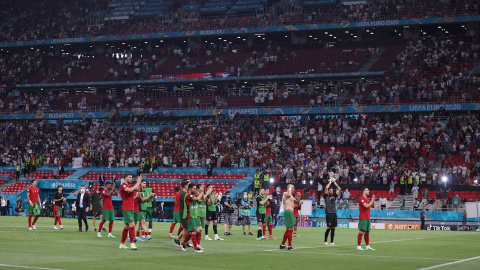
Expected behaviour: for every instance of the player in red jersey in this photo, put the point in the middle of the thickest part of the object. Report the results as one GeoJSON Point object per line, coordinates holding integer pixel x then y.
{"type": "Point", "coordinates": [108, 212]}
{"type": "Point", "coordinates": [33, 196]}
{"type": "Point", "coordinates": [298, 206]}
{"type": "Point", "coordinates": [176, 214]}
{"type": "Point", "coordinates": [268, 216]}
{"type": "Point", "coordinates": [127, 192]}
{"type": "Point", "coordinates": [364, 223]}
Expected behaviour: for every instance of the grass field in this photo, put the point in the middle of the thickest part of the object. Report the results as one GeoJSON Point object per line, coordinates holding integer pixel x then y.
{"type": "Point", "coordinates": [69, 249]}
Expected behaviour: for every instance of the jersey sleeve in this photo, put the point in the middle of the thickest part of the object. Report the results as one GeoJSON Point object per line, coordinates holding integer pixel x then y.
{"type": "Point", "coordinates": [361, 201]}
{"type": "Point", "coordinates": [259, 200]}
{"type": "Point", "coordinates": [123, 187]}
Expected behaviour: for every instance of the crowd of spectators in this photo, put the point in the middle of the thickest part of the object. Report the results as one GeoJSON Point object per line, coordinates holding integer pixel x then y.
{"type": "Point", "coordinates": [373, 149]}
{"type": "Point", "coordinates": [33, 19]}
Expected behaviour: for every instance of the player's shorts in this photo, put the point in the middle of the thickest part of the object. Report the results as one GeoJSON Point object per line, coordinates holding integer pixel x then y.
{"type": "Point", "coordinates": [289, 219]}
{"type": "Point", "coordinates": [268, 218]}
{"type": "Point", "coordinates": [33, 210]}
{"type": "Point", "coordinates": [149, 214]}
{"type": "Point", "coordinates": [331, 220]}
{"type": "Point", "coordinates": [191, 224]}
{"type": "Point", "coordinates": [228, 218]}
{"type": "Point", "coordinates": [176, 217]}
{"type": "Point", "coordinates": [96, 211]}
{"type": "Point", "coordinates": [211, 215]}
{"type": "Point", "coordinates": [57, 210]}
{"type": "Point", "coordinates": [184, 223]}
{"type": "Point", "coordinates": [142, 215]}
{"type": "Point", "coordinates": [246, 221]}
{"type": "Point", "coordinates": [260, 218]}
{"type": "Point", "coordinates": [364, 225]}
{"type": "Point", "coordinates": [136, 217]}
{"type": "Point", "coordinates": [108, 214]}
{"type": "Point", "coordinates": [201, 222]}
{"type": "Point", "coordinates": [128, 217]}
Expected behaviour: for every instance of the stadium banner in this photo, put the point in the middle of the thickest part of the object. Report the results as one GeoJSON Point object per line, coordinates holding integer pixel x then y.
{"type": "Point", "coordinates": [251, 111]}
{"type": "Point", "coordinates": [394, 226]}
{"type": "Point", "coordinates": [246, 30]}
{"type": "Point", "coordinates": [375, 226]}
{"type": "Point", "coordinates": [67, 184]}
{"type": "Point", "coordinates": [447, 228]}
{"type": "Point", "coordinates": [158, 80]}
{"type": "Point", "coordinates": [393, 214]}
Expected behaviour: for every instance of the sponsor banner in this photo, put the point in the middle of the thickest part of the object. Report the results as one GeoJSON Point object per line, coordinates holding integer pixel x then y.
{"type": "Point", "coordinates": [246, 30]}
{"type": "Point", "coordinates": [393, 226]}
{"type": "Point", "coordinates": [67, 184]}
{"type": "Point", "coordinates": [250, 111]}
{"type": "Point", "coordinates": [431, 227]}
{"type": "Point", "coordinates": [375, 226]}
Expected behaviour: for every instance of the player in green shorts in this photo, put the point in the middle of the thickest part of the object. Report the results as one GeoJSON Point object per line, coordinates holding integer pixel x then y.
{"type": "Point", "coordinates": [127, 191]}
{"type": "Point", "coordinates": [108, 212]}
{"type": "Point", "coordinates": [143, 210]}
{"type": "Point", "coordinates": [202, 210]}
{"type": "Point", "coordinates": [190, 214]}
{"type": "Point", "coordinates": [148, 206]}
{"type": "Point", "coordinates": [289, 205]}
{"type": "Point", "coordinates": [364, 223]}
{"type": "Point", "coordinates": [268, 217]}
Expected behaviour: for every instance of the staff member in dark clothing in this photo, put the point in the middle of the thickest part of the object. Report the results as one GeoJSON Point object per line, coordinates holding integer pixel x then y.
{"type": "Point", "coordinates": [83, 206]}
{"type": "Point", "coordinates": [228, 210]}
{"type": "Point", "coordinates": [331, 209]}
{"type": "Point", "coordinates": [423, 216]}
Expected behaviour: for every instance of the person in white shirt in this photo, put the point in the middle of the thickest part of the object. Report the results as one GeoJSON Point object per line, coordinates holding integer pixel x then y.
{"type": "Point", "coordinates": [383, 203]}
{"type": "Point", "coordinates": [415, 190]}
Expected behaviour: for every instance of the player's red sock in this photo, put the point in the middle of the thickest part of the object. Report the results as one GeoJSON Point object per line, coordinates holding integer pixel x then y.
{"type": "Point", "coordinates": [29, 221]}
{"type": "Point", "coordinates": [264, 229]}
{"type": "Point", "coordinates": [270, 229]}
{"type": "Point", "coordinates": [199, 237]}
{"type": "Point", "coordinates": [186, 239]}
{"type": "Point", "coordinates": [367, 239]}
{"type": "Point", "coordinates": [285, 237]}
{"type": "Point", "coordinates": [290, 238]}
{"type": "Point", "coordinates": [172, 227]}
{"type": "Point", "coordinates": [101, 226]}
{"type": "Point", "coordinates": [143, 233]}
{"type": "Point", "coordinates": [179, 230]}
{"type": "Point", "coordinates": [194, 241]}
{"type": "Point", "coordinates": [131, 232]}
{"type": "Point", "coordinates": [359, 239]}
{"type": "Point", "coordinates": [59, 220]}
{"type": "Point", "coordinates": [110, 226]}
{"type": "Point", "coordinates": [138, 234]}
{"type": "Point", "coordinates": [56, 220]}
{"type": "Point", "coordinates": [35, 220]}
{"type": "Point", "coordinates": [124, 235]}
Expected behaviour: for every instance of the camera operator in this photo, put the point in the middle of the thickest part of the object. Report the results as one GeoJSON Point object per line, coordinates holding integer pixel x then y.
{"type": "Point", "coordinates": [245, 205]}
{"type": "Point", "coordinates": [228, 210]}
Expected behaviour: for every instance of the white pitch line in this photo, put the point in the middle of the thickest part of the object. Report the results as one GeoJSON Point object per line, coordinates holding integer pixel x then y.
{"type": "Point", "coordinates": [376, 256]}
{"type": "Point", "coordinates": [450, 263]}
{"type": "Point", "coordinates": [28, 267]}
{"type": "Point", "coordinates": [399, 240]}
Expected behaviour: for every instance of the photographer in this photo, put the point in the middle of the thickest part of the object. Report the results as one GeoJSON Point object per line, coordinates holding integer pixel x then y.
{"type": "Point", "coordinates": [228, 210]}
{"type": "Point", "coordinates": [245, 205]}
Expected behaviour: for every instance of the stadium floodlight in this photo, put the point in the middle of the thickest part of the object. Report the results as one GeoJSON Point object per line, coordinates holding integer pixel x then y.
{"type": "Point", "coordinates": [303, 182]}
{"type": "Point", "coordinates": [355, 179]}
{"type": "Point", "coordinates": [475, 182]}
{"type": "Point", "coordinates": [444, 179]}
{"type": "Point", "coordinates": [271, 180]}
{"type": "Point", "coordinates": [311, 182]}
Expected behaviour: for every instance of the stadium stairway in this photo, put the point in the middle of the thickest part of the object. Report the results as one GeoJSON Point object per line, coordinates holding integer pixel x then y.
{"type": "Point", "coordinates": [367, 65]}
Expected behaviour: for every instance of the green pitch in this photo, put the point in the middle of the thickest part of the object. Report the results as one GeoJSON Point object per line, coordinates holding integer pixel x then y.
{"type": "Point", "coordinates": [69, 249]}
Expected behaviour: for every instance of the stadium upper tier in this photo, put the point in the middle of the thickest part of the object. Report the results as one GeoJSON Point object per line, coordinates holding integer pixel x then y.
{"type": "Point", "coordinates": [42, 19]}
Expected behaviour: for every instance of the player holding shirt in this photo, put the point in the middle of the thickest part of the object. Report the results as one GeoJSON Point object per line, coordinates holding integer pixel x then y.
{"type": "Point", "coordinates": [298, 206]}
{"type": "Point", "coordinates": [176, 214]}
{"type": "Point", "coordinates": [364, 223]}
{"type": "Point", "coordinates": [190, 214]}
{"type": "Point", "coordinates": [148, 206]}
{"type": "Point", "coordinates": [108, 212]}
{"type": "Point", "coordinates": [58, 200]}
{"type": "Point", "coordinates": [268, 217]}
{"type": "Point", "coordinates": [127, 192]}
{"type": "Point", "coordinates": [288, 204]}
{"type": "Point", "coordinates": [33, 196]}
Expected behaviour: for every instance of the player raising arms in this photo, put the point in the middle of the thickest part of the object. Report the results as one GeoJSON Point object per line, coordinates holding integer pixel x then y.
{"type": "Point", "coordinates": [58, 200]}
{"type": "Point", "coordinates": [364, 223]}
{"type": "Point", "coordinates": [190, 212]}
{"type": "Point", "coordinates": [268, 216]}
{"type": "Point", "coordinates": [127, 192]}
{"type": "Point", "coordinates": [288, 204]}
{"type": "Point", "coordinates": [331, 209]}
{"type": "Point", "coordinates": [33, 197]}
{"type": "Point", "coordinates": [211, 214]}
{"type": "Point", "coordinates": [108, 212]}
{"type": "Point", "coordinates": [176, 215]}
{"type": "Point", "coordinates": [143, 208]}
{"type": "Point", "coordinates": [202, 210]}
